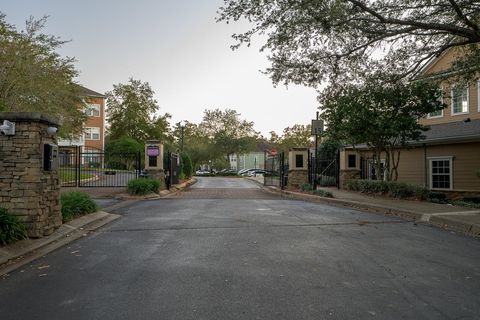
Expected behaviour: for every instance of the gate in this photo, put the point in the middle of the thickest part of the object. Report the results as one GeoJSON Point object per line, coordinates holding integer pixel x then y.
{"type": "Point", "coordinates": [275, 170]}
{"type": "Point", "coordinates": [89, 168]}
{"type": "Point", "coordinates": [324, 171]}
{"type": "Point", "coordinates": [173, 169]}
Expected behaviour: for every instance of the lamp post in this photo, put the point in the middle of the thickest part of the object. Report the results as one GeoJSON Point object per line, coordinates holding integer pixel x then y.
{"type": "Point", "coordinates": [182, 129]}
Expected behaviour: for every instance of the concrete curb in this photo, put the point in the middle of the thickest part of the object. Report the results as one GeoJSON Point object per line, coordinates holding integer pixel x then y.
{"type": "Point", "coordinates": [162, 194]}
{"type": "Point", "coordinates": [25, 251]}
{"type": "Point", "coordinates": [444, 221]}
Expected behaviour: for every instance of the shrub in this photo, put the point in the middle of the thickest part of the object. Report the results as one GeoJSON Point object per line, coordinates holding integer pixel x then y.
{"type": "Point", "coordinates": [11, 229]}
{"type": "Point", "coordinates": [187, 168]}
{"type": "Point", "coordinates": [437, 197]}
{"type": "Point", "coordinates": [466, 204]}
{"type": "Point", "coordinates": [75, 204]}
{"type": "Point", "coordinates": [306, 187]}
{"type": "Point", "coordinates": [323, 193]}
{"type": "Point", "coordinates": [142, 186]}
{"type": "Point", "coordinates": [391, 188]}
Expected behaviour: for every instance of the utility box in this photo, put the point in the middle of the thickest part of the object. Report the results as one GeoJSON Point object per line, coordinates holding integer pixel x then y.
{"type": "Point", "coordinates": [50, 157]}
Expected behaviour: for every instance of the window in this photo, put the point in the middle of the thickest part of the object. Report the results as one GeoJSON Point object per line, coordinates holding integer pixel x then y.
{"type": "Point", "coordinates": [93, 110]}
{"type": "Point", "coordinates": [92, 133]}
{"type": "Point", "coordinates": [299, 161]}
{"type": "Point", "coordinates": [436, 114]}
{"type": "Point", "coordinates": [352, 161]}
{"type": "Point", "coordinates": [441, 173]}
{"type": "Point", "coordinates": [459, 100]}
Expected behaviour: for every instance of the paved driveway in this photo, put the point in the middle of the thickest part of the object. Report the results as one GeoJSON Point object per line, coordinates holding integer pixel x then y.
{"type": "Point", "coordinates": [227, 250]}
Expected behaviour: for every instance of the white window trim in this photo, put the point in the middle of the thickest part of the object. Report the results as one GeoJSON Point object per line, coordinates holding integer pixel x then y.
{"type": "Point", "coordinates": [468, 102]}
{"type": "Point", "coordinates": [89, 105]}
{"type": "Point", "coordinates": [430, 175]}
{"type": "Point", "coordinates": [478, 95]}
{"type": "Point", "coordinates": [91, 136]}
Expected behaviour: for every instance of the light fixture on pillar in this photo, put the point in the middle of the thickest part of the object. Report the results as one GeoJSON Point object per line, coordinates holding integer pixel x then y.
{"type": "Point", "coordinates": [52, 131]}
{"type": "Point", "coordinates": [7, 128]}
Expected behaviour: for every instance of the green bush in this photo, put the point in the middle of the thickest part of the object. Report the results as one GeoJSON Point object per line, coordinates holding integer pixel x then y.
{"type": "Point", "coordinates": [466, 204]}
{"type": "Point", "coordinates": [75, 204]}
{"type": "Point", "coordinates": [390, 188]}
{"type": "Point", "coordinates": [306, 187]}
{"type": "Point", "coordinates": [437, 197]}
{"type": "Point", "coordinates": [11, 229]}
{"type": "Point", "coordinates": [323, 193]}
{"type": "Point", "coordinates": [187, 168]}
{"type": "Point", "coordinates": [142, 186]}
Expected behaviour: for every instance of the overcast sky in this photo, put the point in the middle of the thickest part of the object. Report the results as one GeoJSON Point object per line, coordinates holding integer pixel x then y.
{"type": "Point", "coordinates": [178, 48]}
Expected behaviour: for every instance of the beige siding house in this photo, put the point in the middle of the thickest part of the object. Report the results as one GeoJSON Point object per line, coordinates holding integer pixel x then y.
{"type": "Point", "coordinates": [448, 159]}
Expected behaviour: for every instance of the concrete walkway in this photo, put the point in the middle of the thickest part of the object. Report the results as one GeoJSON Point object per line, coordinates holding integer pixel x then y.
{"type": "Point", "coordinates": [460, 219]}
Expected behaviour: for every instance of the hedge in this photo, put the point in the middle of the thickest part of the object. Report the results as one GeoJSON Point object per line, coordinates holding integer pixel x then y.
{"type": "Point", "coordinates": [75, 204]}
{"type": "Point", "coordinates": [389, 188]}
{"type": "Point", "coordinates": [143, 186]}
{"type": "Point", "coordinates": [11, 229]}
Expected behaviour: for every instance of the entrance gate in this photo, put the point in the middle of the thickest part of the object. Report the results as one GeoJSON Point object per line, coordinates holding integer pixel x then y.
{"type": "Point", "coordinates": [324, 171]}
{"type": "Point", "coordinates": [173, 169]}
{"type": "Point", "coordinates": [89, 168]}
{"type": "Point", "coordinates": [275, 170]}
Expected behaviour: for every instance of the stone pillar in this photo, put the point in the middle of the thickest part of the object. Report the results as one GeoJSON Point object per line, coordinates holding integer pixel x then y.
{"type": "Point", "coordinates": [298, 167]}
{"type": "Point", "coordinates": [154, 161]}
{"type": "Point", "coordinates": [26, 189]}
{"type": "Point", "coordinates": [349, 167]}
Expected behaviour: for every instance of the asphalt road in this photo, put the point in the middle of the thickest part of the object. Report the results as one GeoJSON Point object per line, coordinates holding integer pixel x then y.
{"type": "Point", "coordinates": [226, 250]}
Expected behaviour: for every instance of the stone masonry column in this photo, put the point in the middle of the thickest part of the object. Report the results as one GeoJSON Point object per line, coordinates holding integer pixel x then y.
{"type": "Point", "coordinates": [154, 161]}
{"type": "Point", "coordinates": [349, 167]}
{"type": "Point", "coordinates": [26, 189]}
{"type": "Point", "coordinates": [298, 167]}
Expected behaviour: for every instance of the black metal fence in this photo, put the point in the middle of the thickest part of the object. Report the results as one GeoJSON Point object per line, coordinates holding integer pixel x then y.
{"type": "Point", "coordinates": [172, 174]}
{"type": "Point", "coordinates": [79, 167]}
{"type": "Point", "coordinates": [276, 170]}
{"type": "Point", "coordinates": [324, 172]}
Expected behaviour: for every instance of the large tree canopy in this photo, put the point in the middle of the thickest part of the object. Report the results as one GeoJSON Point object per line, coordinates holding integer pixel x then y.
{"type": "Point", "coordinates": [382, 116]}
{"type": "Point", "coordinates": [131, 112]}
{"type": "Point", "coordinates": [311, 41]}
{"type": "Point", "coordinates": [35, 78]}
{"type": "Point", "coordinates": [229, 133]}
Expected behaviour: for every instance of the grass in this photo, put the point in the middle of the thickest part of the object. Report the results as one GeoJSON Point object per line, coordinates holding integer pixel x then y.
{"type": "Point", "coordinates": [69, 176]}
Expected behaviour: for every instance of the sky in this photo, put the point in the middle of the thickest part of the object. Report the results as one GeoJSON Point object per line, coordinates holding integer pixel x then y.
{"type": "Point", "coordinates": [178, 48]}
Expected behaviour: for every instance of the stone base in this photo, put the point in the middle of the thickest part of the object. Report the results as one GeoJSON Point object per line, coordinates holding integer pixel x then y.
{"type": "Point", "coordinates": [347, 175]}
{"type": "Point", "coordinates": [157, 175]}
{"type": "Point", "coordinates": [297, 178]}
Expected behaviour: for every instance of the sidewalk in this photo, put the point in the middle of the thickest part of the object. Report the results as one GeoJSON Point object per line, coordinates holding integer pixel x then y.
{"type": "Point", "coordinates": [460, 219]}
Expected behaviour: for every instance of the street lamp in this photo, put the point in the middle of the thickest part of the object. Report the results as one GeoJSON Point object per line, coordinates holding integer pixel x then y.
{"type": "Point", "coordinates": [182, 129]}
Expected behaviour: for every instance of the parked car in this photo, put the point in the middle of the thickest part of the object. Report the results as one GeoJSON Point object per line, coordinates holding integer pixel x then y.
{"type": "Point", "coordinates": [255, 172]}
{"type": "Point", "coordinates": [243, 171]}
{"type": "Point", "coordinates": [201, 172]}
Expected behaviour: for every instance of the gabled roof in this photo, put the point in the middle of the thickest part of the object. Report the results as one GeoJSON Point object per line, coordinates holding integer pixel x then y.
{"type": "Point", "coordinates": [90, 93]}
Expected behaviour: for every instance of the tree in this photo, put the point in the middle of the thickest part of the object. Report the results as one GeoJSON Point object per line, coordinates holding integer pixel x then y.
{"type": "Point", "coordinates": [228, 133]}
{"type": "Point", "coordinates": [187, 168]}
{"type": "Point", "coordinates": [297, 136]}
{"type": "Point", "coordinates": [35, 78]}
{"type": "Point", "coordinates": [198, 146]}
{"type": "Point", "coordinates": [343, 40]}
{"type": "Point", "coordinates": [382, 116]}
{"type": "Point", "coordinates": [131, 112]}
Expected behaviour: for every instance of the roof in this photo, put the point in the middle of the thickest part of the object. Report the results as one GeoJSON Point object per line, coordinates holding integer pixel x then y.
{"type": "Point", "coordinates": [89, 92]}
{"type": "Point", "coordinates": [451, 132]}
